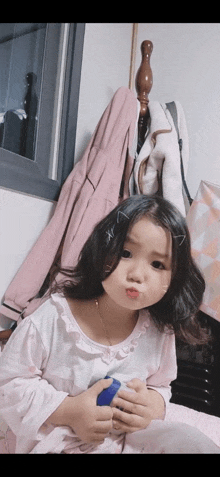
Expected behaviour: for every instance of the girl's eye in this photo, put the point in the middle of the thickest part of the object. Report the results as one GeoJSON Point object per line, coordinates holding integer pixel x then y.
{"type": "Point", "coordinates": [126, 254]}
{"type": "Point", "coordinates": [158, 265]}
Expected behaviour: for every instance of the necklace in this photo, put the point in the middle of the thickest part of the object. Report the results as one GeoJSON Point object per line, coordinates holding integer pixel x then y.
{"type": "Point", "coordinates": [103, 323]}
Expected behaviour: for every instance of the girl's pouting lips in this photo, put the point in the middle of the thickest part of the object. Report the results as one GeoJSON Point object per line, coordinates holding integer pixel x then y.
{"type": "Point", "coordinates": [132, 293]}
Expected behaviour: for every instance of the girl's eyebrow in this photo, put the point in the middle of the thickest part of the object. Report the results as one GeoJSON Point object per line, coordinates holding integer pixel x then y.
{"type": "Point", "coordinates": [130, 239]}
{"type": "Point", "coordinates": [162, 255]}
{"type": "Point", "coordinates": [154, 252]}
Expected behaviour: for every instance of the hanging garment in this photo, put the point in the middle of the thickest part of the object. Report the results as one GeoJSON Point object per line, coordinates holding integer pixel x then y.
{"type": "Point", "coordinates": [158, 162]}
{"type": "Point", "coordinates": [90, 192]}
{"type": "Point", "coordinates": [203, 221]}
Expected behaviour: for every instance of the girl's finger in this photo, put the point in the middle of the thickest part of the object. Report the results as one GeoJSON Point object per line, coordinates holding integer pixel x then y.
{"type": "Point", "coordinates": [129, 407]}
{"type": "Point", "coordinates": [120, 426]}
{"type": "Point", "coordinates": [137, 385]}
{"type": "Point", "coordinates": [136, 398]}
{"type": "Point", "coordinates": [103, 426]}
{"type": "Point", "coordinates": [104, 413]}
{"type": "Point", "coordinates": [129, 419]}
{"type": "Point", "coordinates": [98, 438]}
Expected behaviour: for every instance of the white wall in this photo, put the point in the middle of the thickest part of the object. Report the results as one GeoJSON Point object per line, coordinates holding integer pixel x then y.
{"type": "Point", "coordinates": [186, 67]}
{"type": "Point", "coordinates": [105, 68]}
{"type": "Point", "coordinates": [22, 218]}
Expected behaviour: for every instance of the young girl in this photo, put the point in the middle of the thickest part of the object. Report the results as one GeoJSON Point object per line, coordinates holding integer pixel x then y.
{"type": "Point", "coordinates": [117, 313]}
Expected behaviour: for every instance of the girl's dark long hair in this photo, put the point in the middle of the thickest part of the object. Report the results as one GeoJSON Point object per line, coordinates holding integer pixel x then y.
{"type": "Point", "coordinates": [177, 310]}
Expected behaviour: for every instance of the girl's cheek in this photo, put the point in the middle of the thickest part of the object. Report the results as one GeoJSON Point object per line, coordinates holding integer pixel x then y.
{"type": "Point", "coordinates": [166, 284]}
{"type": "Point", "coordinates": [165, 288]}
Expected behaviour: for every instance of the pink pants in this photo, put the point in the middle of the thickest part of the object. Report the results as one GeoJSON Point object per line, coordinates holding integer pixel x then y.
{"type": "Point", "coordinates": [169, 438]}
{"type": "Point", "coordinates": [160, 438]}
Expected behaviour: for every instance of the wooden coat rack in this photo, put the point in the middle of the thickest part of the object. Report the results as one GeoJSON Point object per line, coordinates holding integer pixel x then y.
{"type": "Point", "coordinates": [143, 84]}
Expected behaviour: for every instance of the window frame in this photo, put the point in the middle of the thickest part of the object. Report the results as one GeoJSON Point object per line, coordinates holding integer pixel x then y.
{"type": "Point", "coordinates": [31, 177]}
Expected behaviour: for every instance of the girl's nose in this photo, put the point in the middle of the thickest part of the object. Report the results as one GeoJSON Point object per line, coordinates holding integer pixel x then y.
{"type": "Point", "coordinates": [137, 273]}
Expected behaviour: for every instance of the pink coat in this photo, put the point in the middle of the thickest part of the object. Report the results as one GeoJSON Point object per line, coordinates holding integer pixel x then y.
{"type": "Point", "coordinates": [90, 192]}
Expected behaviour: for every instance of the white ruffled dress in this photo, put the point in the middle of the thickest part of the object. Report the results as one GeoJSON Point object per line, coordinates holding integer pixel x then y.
{"type": "Point", "coordinates": [49, 357]}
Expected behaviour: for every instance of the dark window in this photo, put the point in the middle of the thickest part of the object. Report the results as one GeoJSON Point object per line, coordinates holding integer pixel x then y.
{"type": "Point", "coordinates": [39, 90]}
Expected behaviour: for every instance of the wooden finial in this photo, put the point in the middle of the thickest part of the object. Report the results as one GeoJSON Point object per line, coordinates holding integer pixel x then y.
{"type": "Point", "coordinates": [143, 83]}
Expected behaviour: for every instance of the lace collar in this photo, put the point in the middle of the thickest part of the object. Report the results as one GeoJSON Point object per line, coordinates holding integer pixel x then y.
{"type": "Point", "coordinates": [86, 344]}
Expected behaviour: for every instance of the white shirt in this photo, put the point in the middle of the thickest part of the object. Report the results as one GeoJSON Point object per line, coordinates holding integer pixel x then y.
{"type": "Point", "coordinates": [49, 357]}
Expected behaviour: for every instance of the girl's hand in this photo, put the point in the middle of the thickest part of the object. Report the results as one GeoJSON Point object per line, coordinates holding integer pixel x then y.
{"type": "Point", "coordinates": [90, 422]}
{"type": "Point", "coordinates": [139, 408]}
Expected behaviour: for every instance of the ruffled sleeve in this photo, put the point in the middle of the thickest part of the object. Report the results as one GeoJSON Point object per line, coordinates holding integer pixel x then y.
{"type": "Point", "coordinates": [26, 399]}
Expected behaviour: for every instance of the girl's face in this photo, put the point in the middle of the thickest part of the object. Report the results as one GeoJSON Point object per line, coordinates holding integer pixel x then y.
{"type": "Point", "coordinates": [143, 274]}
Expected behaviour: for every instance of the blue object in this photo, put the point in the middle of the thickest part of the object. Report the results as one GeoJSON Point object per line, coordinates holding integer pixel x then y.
{"type": "Point", "coordinates": [106, 396]}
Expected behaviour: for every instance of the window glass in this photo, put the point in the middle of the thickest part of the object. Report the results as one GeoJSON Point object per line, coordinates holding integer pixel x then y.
{"type": "Point", "coordinates": [39, 93]}
{"type": "Point", "coordinates": [22, 56]}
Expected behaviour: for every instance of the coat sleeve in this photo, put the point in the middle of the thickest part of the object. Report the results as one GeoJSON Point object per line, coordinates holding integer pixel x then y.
{"type": "Point", "coordinates": [167, 372]}
{"type": "Point", "coordinates": [26, 399]}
